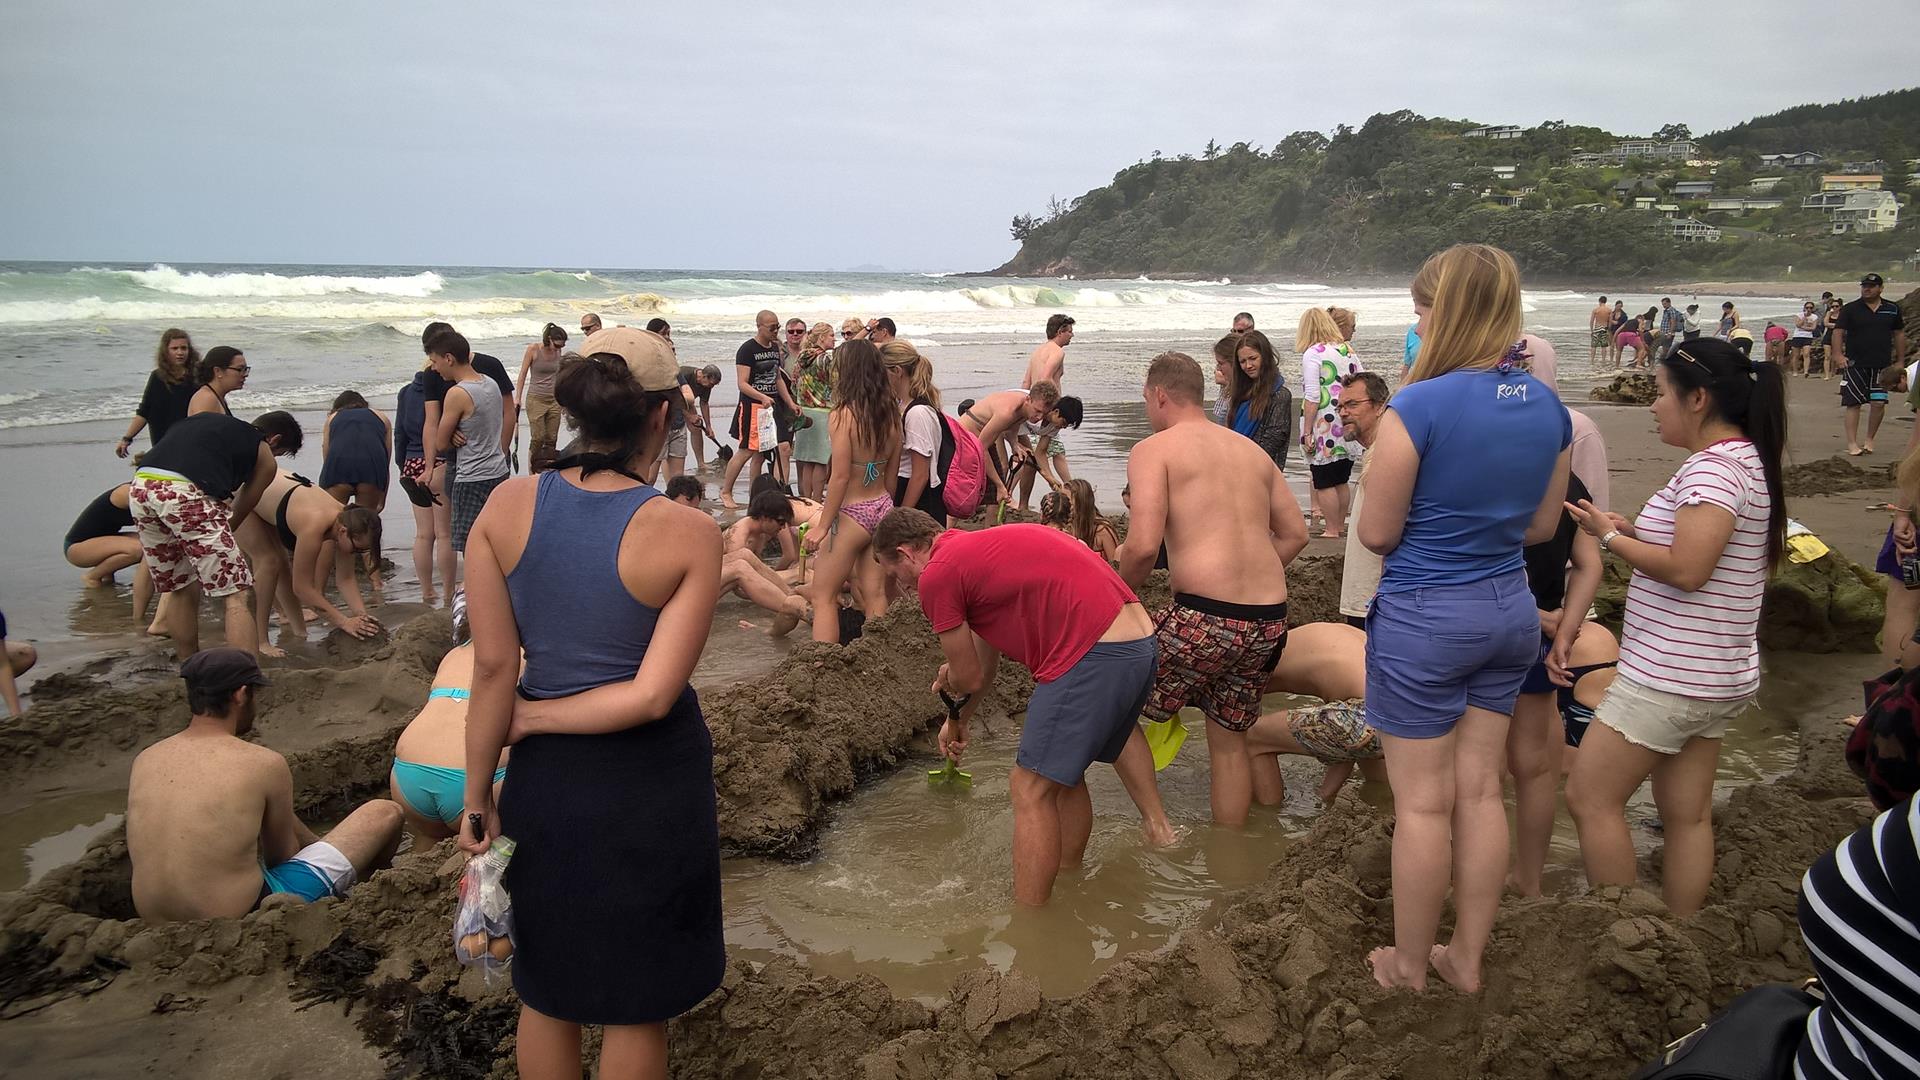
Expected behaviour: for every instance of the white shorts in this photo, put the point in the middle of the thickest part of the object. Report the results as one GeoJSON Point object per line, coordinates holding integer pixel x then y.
{"type": "Point", "coordinates": [315, 871]}
{"type": "Point", "coordinates": [1055, 448]}
{"type": "Point", "coordinates": [1663, 722]}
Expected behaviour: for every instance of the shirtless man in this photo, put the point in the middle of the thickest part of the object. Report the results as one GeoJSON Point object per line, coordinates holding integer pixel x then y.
{"type": "Point", "coordinates": [1231, 525]}
{"type": "Point", "coordinates": [1049, 362]}
{"type": "Point", "coordinates": [769, 516]}
{"type": "Point", "coordinates": [1599, 331]}
{"type": "Point", "coordinates": [1041, 444]}
{"type": "Point", "coordinates": [1327, 661]}
{"type": "Point", "coordinates": [996, 419]}
{"type": "Point", "coordinates": [211, 830]}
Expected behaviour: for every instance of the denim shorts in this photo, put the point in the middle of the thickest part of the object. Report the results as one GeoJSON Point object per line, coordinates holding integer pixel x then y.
{"type": "Point", "coordinates": [1661, 721]}
{"type": "Point", "coordinates": [1432, 652]}
{"type": "Point", "coordinates": [1089, 712]}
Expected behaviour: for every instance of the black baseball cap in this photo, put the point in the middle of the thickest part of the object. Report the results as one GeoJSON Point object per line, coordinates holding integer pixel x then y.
{"type": "Point", "coordinates": [222, 670]}
{"type": "Point", "coordinates": [1873, 279]}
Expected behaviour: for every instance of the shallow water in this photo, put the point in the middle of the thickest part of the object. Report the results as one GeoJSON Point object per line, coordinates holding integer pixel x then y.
{"type": "Point", "coordinates": [53, 833]}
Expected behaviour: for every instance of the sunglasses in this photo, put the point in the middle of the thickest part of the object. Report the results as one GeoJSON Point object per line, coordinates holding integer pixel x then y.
{"type": "Point", "coordinates": [795, 333]}
{"type": "Point", "coordinates": [241, 368]}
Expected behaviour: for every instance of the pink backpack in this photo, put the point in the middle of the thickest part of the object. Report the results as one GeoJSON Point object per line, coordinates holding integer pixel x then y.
{"type": "Point", "coordinates": [963, 467]}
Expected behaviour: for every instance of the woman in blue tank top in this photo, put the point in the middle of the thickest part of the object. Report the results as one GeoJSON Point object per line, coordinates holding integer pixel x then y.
{"type": "Point", "coordinates": [1470, 466]}
{"type": "Point", "coordinates": [610, 591]}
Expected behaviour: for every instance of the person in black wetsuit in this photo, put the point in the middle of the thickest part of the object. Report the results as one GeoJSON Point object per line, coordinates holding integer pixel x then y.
{"type": "Point", "coordinates": [170, 386]}
{"type": "Point", "coordinates": [102, 542]}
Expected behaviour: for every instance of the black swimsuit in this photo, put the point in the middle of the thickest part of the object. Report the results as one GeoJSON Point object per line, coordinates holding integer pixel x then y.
{"type": "Point", "coordinates": [1573, 715]}
{"type": "Point", "coordinates": [100, 518]}
{"type": "Point", "coordinates": [280, 516]}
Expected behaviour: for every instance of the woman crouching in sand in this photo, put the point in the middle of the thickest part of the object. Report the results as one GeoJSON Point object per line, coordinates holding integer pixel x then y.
{"type": "Point", "coordinates": [429, 775]}
{"type": "Point", "coordinates": [99, 543]}
{"type": "Point", "coordinates": [610, 587]}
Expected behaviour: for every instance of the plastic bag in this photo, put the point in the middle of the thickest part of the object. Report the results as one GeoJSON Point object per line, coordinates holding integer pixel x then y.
{"type": "Point", "coordinates": [483, 926]}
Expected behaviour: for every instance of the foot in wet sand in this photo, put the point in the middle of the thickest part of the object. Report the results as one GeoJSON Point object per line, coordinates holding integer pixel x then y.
{"type": "Point", "coordinates": [272, 651]}
{"type": "Point", "coordinates": [1384, 962]}
{"type": "Point", "coordinates": [729, 504]}
{"type": "Point", "coordinates": [157, 630]}
{"type": "Point", "coordinates": [1160, 834]}
{"type": "Point", "coordinates": [783, 623]}
{"type": "Point", "coordinates": [93, 582]}
{"type": "Point", "coordinates": [1867, 448]}
{"type": "Point", "coordinates": [1457, 976]}
{"type": "Point", "coordinates": [1331, 535]}
{"type": "Point", "coordinates": [1853, 451]}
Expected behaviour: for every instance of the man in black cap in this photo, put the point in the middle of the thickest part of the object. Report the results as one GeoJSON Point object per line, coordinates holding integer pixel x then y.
{"type": "Point", "coordinates": [1870, 336]}
{"type": "Point", "coordinates": [211, 830]}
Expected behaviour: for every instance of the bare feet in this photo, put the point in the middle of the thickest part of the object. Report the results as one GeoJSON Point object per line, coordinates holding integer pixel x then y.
{"type": "Point", "coordinates": [157, 630]}
{"type": "Point", "coordinates": [1457, 976]}
{"type": "Point", "coordinates": [1385, 963]}
{"type": "Point", "coordinates": [728, 504]}
{"type": "Point", "coordinates": [428, 597]}
{"type": "Point", "coordinates": [271, 651]}
{"type": "Point", "coordinates": [1853, 451]}
{"type": "Point", "coordinates": [1331, 535]}
{"type": "Point", "coordinates": [1866, 448]}
{"type": "Point", "coordinates": [93, 582]}
{"type": "Point", "coordinates": [784, 622]}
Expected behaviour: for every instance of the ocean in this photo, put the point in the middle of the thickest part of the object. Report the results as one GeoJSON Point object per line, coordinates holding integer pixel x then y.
{"type": "Point", "coordinates": [77, 341]}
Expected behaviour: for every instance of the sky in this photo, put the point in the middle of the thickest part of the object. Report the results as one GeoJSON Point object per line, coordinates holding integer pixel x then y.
{"type": "Point", "coordinates": [748, 135]}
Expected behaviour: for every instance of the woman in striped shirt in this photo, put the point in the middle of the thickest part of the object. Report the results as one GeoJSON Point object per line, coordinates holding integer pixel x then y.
{"type": "Point", "coordinates": [1701, 551]}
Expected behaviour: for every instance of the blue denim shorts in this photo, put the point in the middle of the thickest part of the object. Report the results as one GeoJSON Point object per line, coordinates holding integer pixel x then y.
{"type": "Point", "coordinates": [1432, 652]}
{"type": "Point", "coordinates": [1089, 712]}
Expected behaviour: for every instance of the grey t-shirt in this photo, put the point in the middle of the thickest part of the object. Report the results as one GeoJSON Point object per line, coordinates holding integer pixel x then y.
{"type": "Point", "coordinates": [482, 457]}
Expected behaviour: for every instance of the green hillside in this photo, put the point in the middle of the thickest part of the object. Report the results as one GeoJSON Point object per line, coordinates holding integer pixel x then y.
{"type": "Point", "coordinates": [1380, 198]}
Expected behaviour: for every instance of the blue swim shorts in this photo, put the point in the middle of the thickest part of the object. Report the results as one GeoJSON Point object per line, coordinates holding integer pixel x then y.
{"type": "Point", "coordinates": [1088, 713]}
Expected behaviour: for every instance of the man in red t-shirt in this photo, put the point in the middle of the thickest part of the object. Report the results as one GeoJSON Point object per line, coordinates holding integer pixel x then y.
{"type": "Point", "coordinates": [1046, 600]}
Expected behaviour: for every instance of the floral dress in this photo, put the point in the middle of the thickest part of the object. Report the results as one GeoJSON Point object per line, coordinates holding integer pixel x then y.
{"type": "Point", "coordinates": [1321, 369]}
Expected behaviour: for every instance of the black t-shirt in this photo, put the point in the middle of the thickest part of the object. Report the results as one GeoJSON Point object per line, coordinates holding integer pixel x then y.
{"type": "Point", "coordinates": [162, 404]}
{"type": "Point", "coordinates": [490, 366]}
{"type": "Point", "coordinates": [1869, 341]}
{"type": "Point", "coordinates": [216, 452]}
{"type": "Point", "coordinates": [689, 376]}
{"type": "Point", "coordinates": [1547, 560]}
{"type": "Point", "coordinates": [765, 362]}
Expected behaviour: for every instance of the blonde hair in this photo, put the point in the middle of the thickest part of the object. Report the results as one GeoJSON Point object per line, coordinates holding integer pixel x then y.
{"type": "Point", "coordinates": [852, 323]}
{"type": "Point", "coordinates": [819, 338]}
{"type": "Point", "coordinates": [1425, 282]}
{"type": "Point", "coordinates": [1476, 310]}
{"type": "Point", "coordinates": [1316, 328]}
{"type": "Point", "coordinates": [897, 353]}
{"type": "Point", "coordinates": [1344, 319]}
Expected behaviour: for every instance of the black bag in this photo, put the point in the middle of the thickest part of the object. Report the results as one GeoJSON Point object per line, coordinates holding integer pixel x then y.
{"type": "Point", "coordinates": [1754, 1038]}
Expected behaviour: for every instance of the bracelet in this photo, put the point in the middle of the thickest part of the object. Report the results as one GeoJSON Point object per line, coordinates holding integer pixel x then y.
{"type": "Point", "coordinates": [1606, 542]}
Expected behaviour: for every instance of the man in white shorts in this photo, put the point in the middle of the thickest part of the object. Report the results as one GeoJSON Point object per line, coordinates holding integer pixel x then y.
{"type": "Point", "coordinates": [211, 830]}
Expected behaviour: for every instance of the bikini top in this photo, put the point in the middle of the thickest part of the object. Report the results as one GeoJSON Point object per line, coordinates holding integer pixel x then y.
{"type": "Point", "coordinates": [287, 536]}
{"type": "Point", "coordinates": [457, 693]}
{"type": "Point", "coordinates": [872, 471]}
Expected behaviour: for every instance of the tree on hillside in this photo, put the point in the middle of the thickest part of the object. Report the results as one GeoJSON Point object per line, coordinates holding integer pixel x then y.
{"type": "Point", "coordinates": [1212, 151]}
{"type": "Point", "coordinates": [1301, 146]}
{"type": "Point", "coordinates": [1673, 132]}
{"type": "Point", "coordinates": [1023, 226]}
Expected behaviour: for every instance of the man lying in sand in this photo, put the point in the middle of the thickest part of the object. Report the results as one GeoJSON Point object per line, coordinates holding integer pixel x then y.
{"type": "Point", "coordinates": [1046, 600]}
{"type": "Point", "coordinates": [211, 830]}
{"type": "Point", "coordinates": [769, 518]}
{"type": "Point", "coordinates": [429, 773]}
{"type": "Point", "coordinates": [1327, 661]}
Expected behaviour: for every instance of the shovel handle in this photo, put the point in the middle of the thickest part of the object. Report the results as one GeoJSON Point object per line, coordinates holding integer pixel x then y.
{"type": "Point", "coordinates": [955, 704]}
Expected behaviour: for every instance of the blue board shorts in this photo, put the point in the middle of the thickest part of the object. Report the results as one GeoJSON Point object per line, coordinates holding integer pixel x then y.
{"type": "Point", "coordinates": [1088, 713]}
{"type": "Point", "coordinates": [1432, 652]}
{"type": "Point", "coordinates": [316, 871]}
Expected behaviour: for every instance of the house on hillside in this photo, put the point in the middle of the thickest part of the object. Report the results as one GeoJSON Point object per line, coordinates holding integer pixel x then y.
{"type": "Point", "coordinates": [1504, 172]}
{"type": "Point", "coordinates": [1692, 189]}
{"type": "Point", "coordinates": [1679, 150]}
{"type": "Point", "coordinates": [1851, 182]}
{"type": "Point", "coordinates": [1667, 209]}
{"type": "Point", "coordinates": [1866, 212]}
{"type": "Point", "coordinates": [1644, 202]}
{"type": "Point", "coordinates": [1629, 185]}
{"type": "Point", "coordinates": [1760, 185]}
{"type": "Point", "coordinates": [1738, 205]}
{"type": "Point", "coordinates": [1862, 167]}
{"type": "Point", "coordinates": [1692, 230]}
{"type": "Point", "coordinates": [1507, 131]}
{"type": "Point", "coordinates": [1806, 159]}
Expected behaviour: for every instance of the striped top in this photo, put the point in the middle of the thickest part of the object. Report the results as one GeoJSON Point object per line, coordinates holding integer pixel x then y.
{"type": "Point", "coordinates": [1858, 907]}
{"type": "Point", "coordinates": [1703, 644]}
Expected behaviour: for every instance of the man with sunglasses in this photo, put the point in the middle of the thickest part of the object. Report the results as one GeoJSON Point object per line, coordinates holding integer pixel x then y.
{"type": "Point", "coordinates": [1869, 336]}
{"type": "Point", "coordinates": [881, 330]}
{"type": "Point", "coordinates": [589, 323]}
{"type": "Point", "coordinates": [1362, 402]}
{"type": "Point", "coordinates": [756, 366]}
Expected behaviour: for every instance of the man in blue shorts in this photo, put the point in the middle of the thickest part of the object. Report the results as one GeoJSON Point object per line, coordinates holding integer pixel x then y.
{"type": "Point", "coordinates": [211, 830]}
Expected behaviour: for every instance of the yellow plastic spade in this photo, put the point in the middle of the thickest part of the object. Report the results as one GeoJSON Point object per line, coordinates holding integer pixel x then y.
{"type": "Point", "coordinates": [1164, 738]}
{"type": "Point", "coordinates": [950, 775]}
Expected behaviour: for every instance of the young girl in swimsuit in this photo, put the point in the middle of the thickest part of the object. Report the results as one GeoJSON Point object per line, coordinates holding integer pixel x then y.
{"type": "Point", "coordinates": [865, 431]}
{"type": "Point", "coordinates": [429, 761]}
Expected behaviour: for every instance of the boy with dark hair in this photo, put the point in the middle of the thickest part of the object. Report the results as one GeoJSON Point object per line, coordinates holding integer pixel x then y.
{"type": "Point", "coordinates": [686, 489]}
{"type": "Point", "coordinates": [470, 409]}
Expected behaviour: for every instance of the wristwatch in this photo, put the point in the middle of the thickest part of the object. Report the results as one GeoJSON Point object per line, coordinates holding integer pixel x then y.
{"type": "Point", "coordinates": [1606, 541]}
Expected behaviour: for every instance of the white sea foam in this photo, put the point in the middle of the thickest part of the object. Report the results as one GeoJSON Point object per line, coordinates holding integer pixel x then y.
{"type": "Point", "coordinates": [249, 403]}
{"type": "Point", "coordinates": [164, 278]}
{"type": "Point", "coordinates": [98, 309]}
{"type": "Point", "coordinates": [15, 399]}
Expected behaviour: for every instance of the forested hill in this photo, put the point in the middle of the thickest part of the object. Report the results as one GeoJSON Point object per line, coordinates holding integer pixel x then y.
{"type": "Point", "coordinates": [1568, 201]}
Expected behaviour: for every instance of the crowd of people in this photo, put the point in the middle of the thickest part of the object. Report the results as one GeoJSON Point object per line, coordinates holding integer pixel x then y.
{"type": "Point", "coordinates": [1469, 650]}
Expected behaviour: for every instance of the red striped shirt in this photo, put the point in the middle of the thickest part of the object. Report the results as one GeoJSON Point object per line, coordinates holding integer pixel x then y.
{"type": "Point", "coordinates": [1705, 643]}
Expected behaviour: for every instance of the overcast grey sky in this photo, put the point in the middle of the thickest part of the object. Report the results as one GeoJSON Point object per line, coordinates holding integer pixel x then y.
{"type": "Point", "coordinates": [774, 136]}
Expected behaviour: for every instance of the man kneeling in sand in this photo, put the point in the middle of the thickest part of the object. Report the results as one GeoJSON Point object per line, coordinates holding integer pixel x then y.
{"type": "Point", "coordinates": [1327, 661]}
{"type": "Point", "coordinates": [211, 830]}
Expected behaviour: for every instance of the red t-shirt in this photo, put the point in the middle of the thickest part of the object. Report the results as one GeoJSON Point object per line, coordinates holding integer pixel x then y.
{"type": "Point", "coordinates": [1038, 595]}
{"type": "Point", "coordinates": [1776, 333]}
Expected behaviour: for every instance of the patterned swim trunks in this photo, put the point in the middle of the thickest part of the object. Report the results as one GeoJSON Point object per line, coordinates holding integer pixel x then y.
{"type": "Point", "coordinates": [187, 537]}
{"type": "Point", "coordinates": [1216, 656]}
{"type": "Point", "coordinates": [1602, 337]}
{"type": "Point", "coordinates": [1335, 731]}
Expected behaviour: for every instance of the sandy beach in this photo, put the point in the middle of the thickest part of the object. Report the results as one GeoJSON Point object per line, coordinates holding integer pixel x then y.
{"type": "Point", "coordinates": [1251, 965]}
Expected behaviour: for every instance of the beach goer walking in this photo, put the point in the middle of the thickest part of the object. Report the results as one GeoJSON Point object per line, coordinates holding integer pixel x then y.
{"type": "Point", "coordinates": [1690, 325]}
{"type": "Point", "coordinates": [471, 409]}
{"type": "Point", "coordinates": [1869, 335]}
{"type": "Point", "coordinates": [756, 366]}
{"type": "Point", "coordinates": [919, 481]}
{"type": "Point", "coordinates": [429, 777]}
{"type": "Point", "coordinates": [1453, 627]}
{"type": "Point", "coordinates": [432, 538]}
{"type": "Point", "coordinates": [1599, 333]}
{"type": "Point", "coordinates": [355, 442]}
{"type": "Point", "coordinates": [866, 431]}
{"type": "Point", "coordinates": [99, 542]}
{"type": "Point", "coordinates": [1048, 363]}
{"type": "Point", "coordinates": [1800, 343]}
{"type": "Point", "coordinates": [813, 392]}
{"type": "Point", "coordinates": [1040, 597]}
{"type": "Point", "coordinates": [538, 365]}
{"type": "Point", "coordinates": [612, 764]}
{"type": "Point", "coordinates": [1260, 406]}
{"type": "Point", "coordinates": [222, 371]}
{"type": "Point", "coordinates": [169, 390]}
{"type": "Point", "coordinates": [1672, 323]}
{"type": "Point", "coordinates": [1363, 401]}
{"type": "Point", "coordinates": [187, 495]}
{"type": "Point", "coordinates": [1325, 358]}
{"type": "Point", "coordinates": [1701, 551]}
{"type": "Point", "coordinates": [1231, 525]}
{"type": "Point", "coordinates": [211, 829]}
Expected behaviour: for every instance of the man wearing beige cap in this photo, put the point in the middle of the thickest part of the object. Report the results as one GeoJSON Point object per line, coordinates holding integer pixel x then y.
{"type": "Point", "coordinates": [211, 830]}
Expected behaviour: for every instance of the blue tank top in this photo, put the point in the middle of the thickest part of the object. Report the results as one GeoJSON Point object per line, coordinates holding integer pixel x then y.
{"type": "Point", "coordinates": [579, 625]}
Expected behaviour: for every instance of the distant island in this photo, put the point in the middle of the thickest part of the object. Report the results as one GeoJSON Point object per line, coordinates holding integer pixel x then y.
{"type": "Point", "coordinates": [1824, 189]}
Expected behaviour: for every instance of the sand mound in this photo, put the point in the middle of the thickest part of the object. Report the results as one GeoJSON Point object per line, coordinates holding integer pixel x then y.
{"type": "Point", "coordinates": [1832, 475]}
{"type": "Point", "coordinates": [1830, 605]}
{"type": "Point", "coordinates": [1628, 388]}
